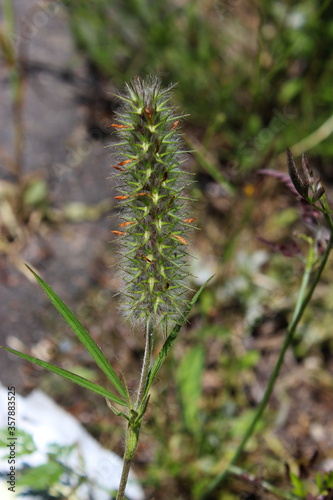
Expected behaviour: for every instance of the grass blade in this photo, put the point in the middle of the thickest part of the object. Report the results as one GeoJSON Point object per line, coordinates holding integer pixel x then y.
{"type": "Point", "coordinates": [77, 379]}
{"type": "Point", "coordinates": [172, 337]}
{"type": "Point", "coordinates": [189, 374]}
{"type": "Point", "coordinates": [83, 336]}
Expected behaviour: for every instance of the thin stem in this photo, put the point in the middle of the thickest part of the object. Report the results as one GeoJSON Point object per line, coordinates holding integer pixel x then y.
{"type": "Point", "coordinates": [237, 471]}
{"type": "Point", "coordinates": [136, 413]}
{"type": "Point", "coordinates": [301, 304]}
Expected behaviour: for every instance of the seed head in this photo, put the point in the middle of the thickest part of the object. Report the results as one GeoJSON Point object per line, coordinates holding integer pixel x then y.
{"type": "Point", "coordinates": [153, 205]}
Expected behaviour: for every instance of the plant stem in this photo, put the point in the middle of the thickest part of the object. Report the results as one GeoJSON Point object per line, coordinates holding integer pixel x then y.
{"type": "Point", "coordinates": [145, 366]}
{"type": "Point", "coordinates": [130, 447]}
{"type": "Point", "coordinates": [237, 471]}
{"type": "Point", "coordinates": [137, 413]}
{"type": "Point", "coordinates": [301, 304]}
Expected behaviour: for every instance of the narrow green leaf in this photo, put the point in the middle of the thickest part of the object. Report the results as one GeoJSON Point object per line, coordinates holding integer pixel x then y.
{"type": "Point", "coordinates": [299, 487]}
{"type": "Point", "coordinates": [69, 376]}
{"type": "Point", "coordinates": [172, 337]}
{"type": "Point", "coordinates": [189, 384]}
{"type": "Point", "coordinates": [83, 336]}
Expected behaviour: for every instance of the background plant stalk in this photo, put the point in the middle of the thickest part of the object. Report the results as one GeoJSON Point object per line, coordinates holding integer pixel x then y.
{"type": "Point", "coordinates": [301, 304]}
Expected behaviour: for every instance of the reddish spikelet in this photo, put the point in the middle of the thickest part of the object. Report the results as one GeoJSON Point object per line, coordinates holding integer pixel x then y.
{"type": "Point", "coordinates": [175, 125]}
{"type": "Point", "coordinates": [124, 224]}
{"type": "Point", "coordinates": [148, 113]}
{"type": "Point", "coordinates": [123, 197]}
{"type": "Point", "coordinates": [179, 238]}
{"type": "Point", "coordinates": [144, 257]}
{"type": "Point", "coordinates": [118, 126]}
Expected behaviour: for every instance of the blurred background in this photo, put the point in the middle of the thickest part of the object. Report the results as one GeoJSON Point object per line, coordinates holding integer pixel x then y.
{"type": "Point", "coordinates": [254, 78]}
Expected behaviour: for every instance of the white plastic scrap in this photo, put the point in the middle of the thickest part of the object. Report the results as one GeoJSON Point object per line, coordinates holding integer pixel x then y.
{"type": "Point", "coordinates": [48, 424]}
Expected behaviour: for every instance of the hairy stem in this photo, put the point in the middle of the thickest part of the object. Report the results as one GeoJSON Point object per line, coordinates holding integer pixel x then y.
{"type": "Point", "coordinates": [145, 366]}
{"type": "Point", "coordinates": [130, 447]}
{"type": "Point", "coordinates": [137, 413]}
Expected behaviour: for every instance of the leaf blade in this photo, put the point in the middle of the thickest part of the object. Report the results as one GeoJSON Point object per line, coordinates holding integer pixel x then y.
{"type": "Point", "coordinates": [72, 377]}
{"type": "Point", "coordinates": [189, 375]}
{"type": "Point", "coordinates": [83, 336]}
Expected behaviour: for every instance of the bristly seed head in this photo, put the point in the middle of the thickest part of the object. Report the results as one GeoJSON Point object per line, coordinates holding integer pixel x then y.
{"type": "Point", "coordinates": [153, 205]}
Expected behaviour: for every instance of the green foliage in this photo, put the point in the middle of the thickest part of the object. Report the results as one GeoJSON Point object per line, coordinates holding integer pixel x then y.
{"type": "Point", "coordinates": [252, 88]}
{"type": "Point", "coordinates": [53, 477]}
{"type": "Point", "coordinates": [198, 434]}
{"type": "Point", "coordinates": [325, 482]}
{"type": "Point", "coordinates": [189, 380]}
{"type": "Point", "coordinates": [42, 477]}
{"type": "Point", "coordinates": [36, 193]}
{"type": "Point", "coordinates": [298, 487]}
{"type": "Point", "coordinates": [86, 340]}
{"type": "Point", "coordinates": [278, 74]}
{"type": "Point", "coordinates": [72, 377]}
{"type": "Point", "coordinates": [322, 487]}
{"type": "Point", "coordinates": [25, 442]}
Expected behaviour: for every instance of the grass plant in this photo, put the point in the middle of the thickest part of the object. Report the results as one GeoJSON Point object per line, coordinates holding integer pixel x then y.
{"type": "Point", "coordinates": [154, 216]}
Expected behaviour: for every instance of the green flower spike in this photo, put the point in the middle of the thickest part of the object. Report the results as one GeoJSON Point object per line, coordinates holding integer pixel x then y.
{"type": "Point", "coordinates": [153, 205]}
